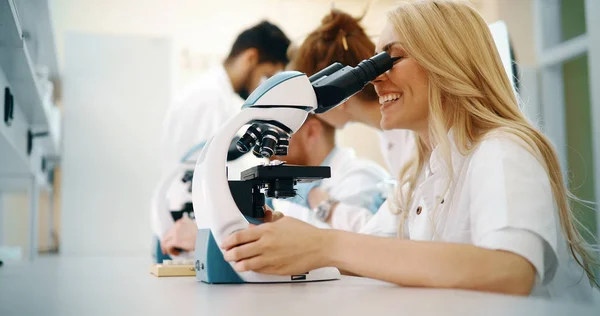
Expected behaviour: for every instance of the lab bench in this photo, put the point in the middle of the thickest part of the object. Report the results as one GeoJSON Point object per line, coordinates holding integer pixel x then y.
{"type": "Point", "coordinates": [30, 123]}
{"type": "Point", "coordinates": [63, 285]}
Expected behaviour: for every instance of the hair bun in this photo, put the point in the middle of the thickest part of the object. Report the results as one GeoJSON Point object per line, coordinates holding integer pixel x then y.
{"type": "Point", "coordinates": [338, 23]}
{"type": "Point", "coordinates": [339, 38]}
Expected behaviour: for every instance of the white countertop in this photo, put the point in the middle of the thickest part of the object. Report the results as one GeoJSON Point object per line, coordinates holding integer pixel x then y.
{"type": "Point", "coordinates": [123, 286]}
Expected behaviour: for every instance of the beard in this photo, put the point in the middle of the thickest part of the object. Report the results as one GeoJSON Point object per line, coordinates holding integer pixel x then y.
{"type": "Point", "coordinates": [244, 91]}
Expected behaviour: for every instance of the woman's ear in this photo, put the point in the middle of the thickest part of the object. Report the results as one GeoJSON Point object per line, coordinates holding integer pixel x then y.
{"type": "Point", "coordinates": [299, 137]}
{"type": "Point", "coordinates": [314, 130]}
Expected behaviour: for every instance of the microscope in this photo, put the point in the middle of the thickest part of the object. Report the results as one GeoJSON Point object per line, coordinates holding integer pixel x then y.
{"type": "Point", "coordinates": [274, 111]}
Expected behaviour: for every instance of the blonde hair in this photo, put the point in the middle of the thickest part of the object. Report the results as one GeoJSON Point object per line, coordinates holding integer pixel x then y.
{"type": "Point", "coordinates": [470, 92]}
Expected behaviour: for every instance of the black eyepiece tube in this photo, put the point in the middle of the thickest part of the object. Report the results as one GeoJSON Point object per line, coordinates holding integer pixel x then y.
{"type": "Point", "coordinates": [325, 72]}
{"type": "Point", "coordinates": [343, 83]}
{"type": "Point", "coordinates": [376, 65]}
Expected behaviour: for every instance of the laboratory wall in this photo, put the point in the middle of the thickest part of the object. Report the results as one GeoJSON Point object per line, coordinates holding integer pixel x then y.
{"type": "Point", "coordinates": [115, 92]}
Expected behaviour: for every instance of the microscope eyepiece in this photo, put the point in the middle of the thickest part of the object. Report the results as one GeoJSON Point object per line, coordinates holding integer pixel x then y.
{"type": "Point", "coordinates": [335, 85]}
{"type": "Point", "coordinates": [371, 68]}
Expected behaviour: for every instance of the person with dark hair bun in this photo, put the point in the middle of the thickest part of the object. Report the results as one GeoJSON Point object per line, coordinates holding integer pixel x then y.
{"type": "Point", "coordinates": [341, 38]}
{"type": "Point", "coordinates": [356, 189]}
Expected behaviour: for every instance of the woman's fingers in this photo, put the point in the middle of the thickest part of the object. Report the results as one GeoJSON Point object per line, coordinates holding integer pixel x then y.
{"type": "Point", "coordinates": [276, 216]}
{"type": "Point", "coordinates": [271, 216]}
{"type": "Point", "coordinates": [165, 243]}
{"type": "Point", "coordinates": [242, 252]}
{"type": "Point", "coordinates": [241, 237]}
{"type": "Point", "coordinates": [168, 245]}
{"type": "Point", "coordinates": [253, 264]}
{"type": "Point", "coordinates": [173, 251]}
{"type": "Point", "coordinates": [268, 215]}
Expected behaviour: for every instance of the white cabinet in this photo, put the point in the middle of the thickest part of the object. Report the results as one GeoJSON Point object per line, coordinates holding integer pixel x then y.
{"type": "Point", "coordinates": [29, 121]}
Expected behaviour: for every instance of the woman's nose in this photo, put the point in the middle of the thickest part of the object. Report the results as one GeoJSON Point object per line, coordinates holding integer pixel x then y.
{"type": "Point", "coordinates": [380, 78]}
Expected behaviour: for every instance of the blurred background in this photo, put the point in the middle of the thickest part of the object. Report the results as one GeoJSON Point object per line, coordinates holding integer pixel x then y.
{"type": "Point", "coordinates": [90, 82]}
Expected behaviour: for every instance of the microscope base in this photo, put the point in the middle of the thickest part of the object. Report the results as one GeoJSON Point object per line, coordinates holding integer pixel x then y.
{"type": "Point", "coordinates": [212, 268]}
{"type": "Point", "coordinates": [210, 265]}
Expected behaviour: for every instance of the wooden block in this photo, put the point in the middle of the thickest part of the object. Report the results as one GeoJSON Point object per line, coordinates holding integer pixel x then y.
{"type": "Point", "coordinates": [171, 270]}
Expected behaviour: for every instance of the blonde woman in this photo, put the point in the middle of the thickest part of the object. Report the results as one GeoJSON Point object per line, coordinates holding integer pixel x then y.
{"type": "Point", "coordinates": [481, 206]}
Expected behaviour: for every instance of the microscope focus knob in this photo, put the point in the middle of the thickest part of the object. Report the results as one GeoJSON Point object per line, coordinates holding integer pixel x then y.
{"type": "Point", "coordinates": [282, 146]}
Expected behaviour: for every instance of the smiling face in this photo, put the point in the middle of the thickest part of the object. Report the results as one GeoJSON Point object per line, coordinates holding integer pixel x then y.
{"type": "Point", "coordinates": [403, 90]}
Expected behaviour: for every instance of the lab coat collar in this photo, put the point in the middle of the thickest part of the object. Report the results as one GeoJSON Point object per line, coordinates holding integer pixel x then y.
{"type": "Point", "coordinates": [330, 156]}
{"type": "Point", "coordinates": [438, 181]}
{"type": "Point", "coordinates": [437, 162]}
{"type": "Point", "coordinates": [221, 76]}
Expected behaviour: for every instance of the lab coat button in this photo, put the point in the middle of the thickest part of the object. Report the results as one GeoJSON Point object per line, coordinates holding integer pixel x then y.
{"type": "Point", "coordinates": [419, 209]}
{"type": "Point", "coordinates": [439, 199]}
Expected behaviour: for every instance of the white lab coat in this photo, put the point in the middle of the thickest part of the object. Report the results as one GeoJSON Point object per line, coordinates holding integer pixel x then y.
{"type": "Point", "coordinates": [397, 147]}
{"type": "Point", "coordinates": [196, 113]}
{"type": "Point", "coordinates": [500, 199]}
{"type": "Point", "coordinates": [354, 182]}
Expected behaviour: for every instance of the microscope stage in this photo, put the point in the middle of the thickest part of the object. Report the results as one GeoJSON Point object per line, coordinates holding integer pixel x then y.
{"type": "Point", "coordinates": [299, 173]}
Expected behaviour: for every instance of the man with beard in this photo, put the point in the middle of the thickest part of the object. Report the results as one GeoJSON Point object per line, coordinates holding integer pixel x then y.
{"type": "Point", "coordinates": [205, 105]}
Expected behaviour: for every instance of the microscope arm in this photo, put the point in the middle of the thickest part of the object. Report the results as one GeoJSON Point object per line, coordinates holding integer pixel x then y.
{"type": "Point", "coordinates": [212, 167]}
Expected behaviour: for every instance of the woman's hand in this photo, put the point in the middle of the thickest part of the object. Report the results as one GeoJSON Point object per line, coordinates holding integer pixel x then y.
{"type": "Point", "coordinates": [287, 246]}
{"type": "Point", "coordinates": [182, 236]}
{"type": "Point", "coordinates": [270, 215]}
